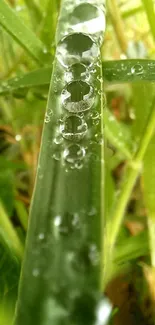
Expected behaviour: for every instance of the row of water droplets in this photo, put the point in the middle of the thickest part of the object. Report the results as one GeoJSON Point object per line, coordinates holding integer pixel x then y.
{"type": "Point", "coordinates": [78, 54]}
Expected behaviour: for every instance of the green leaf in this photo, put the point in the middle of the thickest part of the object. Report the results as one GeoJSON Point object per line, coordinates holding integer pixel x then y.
{"type": "Point", "coordinates": [25, 37]}
{"type": "Point", "coordinates": [34, 12]}
{"type": "Point", "coordinates": [35, 78]}
{"type": "Point", "coordinates": [143, 93]}
{"type": "Point", "coordinates": [129, 70]}
{"type": "Point", "coordinates": [132, 248]}
{"type": "Point", "coordinates": [149, 179]}
{"type": "Point", "coordinates": [149, 8]}
{"type": "Point", "coordinates": [7, 189]}
{"type": "Point", "coordinates": [67, 210]}
{"type": "Point", "coordinates": [9, 235]}
{"type": "Point", "coordinates": [118, 134]}
{"type": "Point", "coordinates": [48, 29]}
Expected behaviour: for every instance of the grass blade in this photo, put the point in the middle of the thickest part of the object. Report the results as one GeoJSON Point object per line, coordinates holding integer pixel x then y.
{"type": "Point", "coordinates": [25, 37]}
{"type": "Point", "coordinates": [34, 12]}
{"type": "Point", "coordinates": [48, 29]}
{"type": "Point", "coordinates": [9, 234]}
{"type": "Point", "coordinates": [66, 214]}
{"type": "Point", "coordinates": [148, 190]}
{"type": "Point", "coordinates": [149, 8]}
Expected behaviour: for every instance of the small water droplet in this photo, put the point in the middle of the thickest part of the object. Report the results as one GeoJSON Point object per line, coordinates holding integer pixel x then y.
{"type": "Point", "coordinates": [36, 272]}
{"type": "Point", "coordinates": [47, 118]}
{"type": "Point", "coordinates": [95, 117]}
{"type": "Point", "coordinates": [73, 153]}
{"type": "Point", "coordinates": [99, 138]}
{"type": "Point", "coordinates": [41, 236]}
{"type": "Point", "coordinates": [93, 254]}
{"type": "Point", "coordinates": [77, 48]}
{"type": "Point", "coordinates": [137, 69]}
{"type": "Point", "coordinates": [58, 139]}
{"type": "Point", "coordinates": [77, 96]}
{"type": "Point", "coordinates": [73, 128]}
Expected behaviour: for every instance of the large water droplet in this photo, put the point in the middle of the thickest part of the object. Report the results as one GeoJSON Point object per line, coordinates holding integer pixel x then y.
{"type": "Point", "coordinates": [76, 48]}
{"type": "Point", "coordinates": [73, 128]}
{"type": "Point", "coordinates": [77, 71]}
{"type": "Point", "coordinates": [87, 18]}
{"type": "Point", "coordinates": [74, 153]}
{"type": "Point", "coordinates": [78, 96]}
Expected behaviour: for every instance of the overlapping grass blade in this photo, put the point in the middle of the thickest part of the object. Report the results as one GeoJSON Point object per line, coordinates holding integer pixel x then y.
{"type": "Point", "coordinates": [113, 71]}
{"type": "Point", "coordinates": [24, 36]}
{"type": "Point", "coordinates": [149, 8]}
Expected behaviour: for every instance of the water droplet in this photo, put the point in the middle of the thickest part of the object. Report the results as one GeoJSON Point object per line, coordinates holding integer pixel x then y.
{"type": "Point", "coordinates": [57, 221]}
{"type": "Point", "coordinates": [58, 139]}
{"type": "Point", "coordinates": [57, 155]}
{"type": "Point", "coordinates": [73, 153]}
{"type": "Point", "coordinates": [41, 236]}
{"type": "Point", "coordinates": [66, 223]}
{"type": "Point", "coordinates": [77, 47]}
{"type": "Point", "coordinates": [87, 18]}
{"type": "Point", "coordinates": [73, 128]}
{"type": "Point", "coordinates": [35, 272]}
{"type": "Point", "coordinates": [47, 118]}
{"type": "Point", "coordinates": [137, 69]}
{"type": "Point", "coordinates": [103, 311]}
{"type": "Point", "coordinates": [95, 117]}
{"type": "Point", "coordinates": [77, 96]}
{"type": "Point", "coordinates": [18, 137]}
{"type": "Point", "coordinates": [77, 71]}
{"type": "Point", "coordinates": [99, 138]}
{"type": "Point", "coordinates": [94, 254]}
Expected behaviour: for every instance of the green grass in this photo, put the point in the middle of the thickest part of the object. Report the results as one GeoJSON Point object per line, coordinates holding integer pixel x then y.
{"type": "Point", "coordinates": [92, 215]}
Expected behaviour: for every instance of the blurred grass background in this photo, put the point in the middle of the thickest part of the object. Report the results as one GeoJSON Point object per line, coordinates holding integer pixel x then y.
{"type": "Point", "coordinates": [130, 35]}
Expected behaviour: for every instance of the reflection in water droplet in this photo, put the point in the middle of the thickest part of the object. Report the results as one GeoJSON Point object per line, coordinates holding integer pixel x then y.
{"type": "Point", "coordinates": [74, 153]}
{"type": "Point", "coordinates": [137, 69]}
{"type": "Point", "coordinates": [103, 312]}
{"type": "Point", "coordinates": [76, 48]}
{"type": "Point", "coordinates": [73, 128]}
{"type": "Point", "coordinates": [87, 18]}
{"type": "Point", "coordinates": [75, 72]}
{"type": "Point", "coordinates": [78, 96]}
